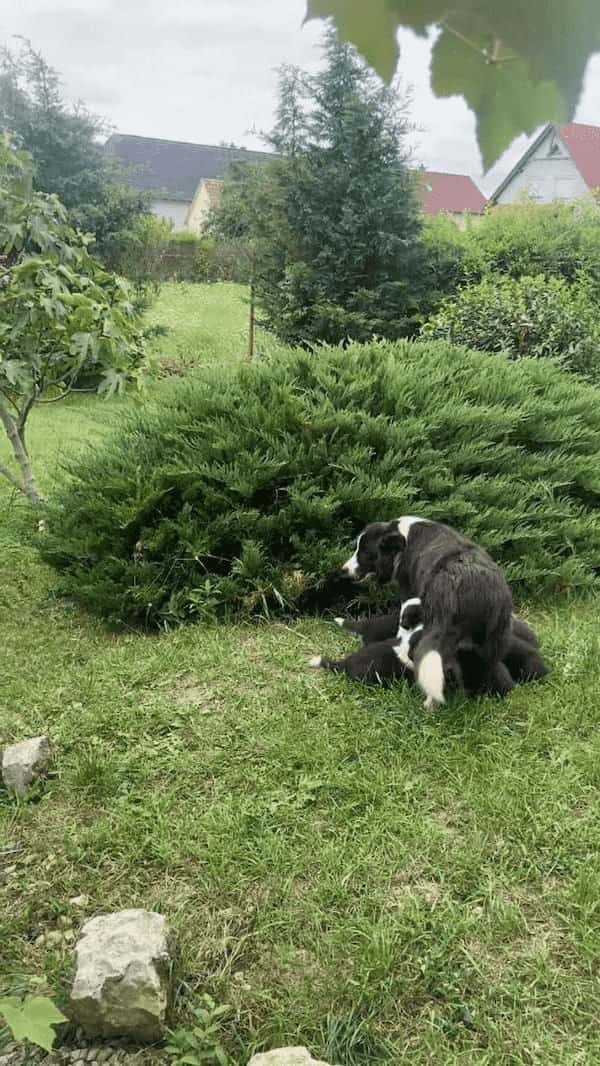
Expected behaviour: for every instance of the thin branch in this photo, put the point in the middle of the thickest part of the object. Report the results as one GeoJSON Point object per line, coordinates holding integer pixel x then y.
{"type": "Point", "coordinates": [492, 57]}
{"type": "Point", "coordinates": [24, 413]}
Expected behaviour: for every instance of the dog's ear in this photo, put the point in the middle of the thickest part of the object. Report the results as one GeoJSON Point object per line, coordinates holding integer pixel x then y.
{"type": "Point", "coordinates": [393, 542]}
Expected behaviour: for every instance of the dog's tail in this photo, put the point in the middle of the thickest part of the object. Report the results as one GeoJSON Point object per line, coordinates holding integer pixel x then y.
{"type": "Point", "coordinates": [435, 663]}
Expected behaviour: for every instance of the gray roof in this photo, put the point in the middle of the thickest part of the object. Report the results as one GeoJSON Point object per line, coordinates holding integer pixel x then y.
{"type": "Point", "coordinates": [172, 169]}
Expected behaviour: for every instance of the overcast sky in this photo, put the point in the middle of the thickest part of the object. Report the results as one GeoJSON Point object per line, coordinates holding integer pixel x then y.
{"type": "Point", "coordinates": [203, 70]}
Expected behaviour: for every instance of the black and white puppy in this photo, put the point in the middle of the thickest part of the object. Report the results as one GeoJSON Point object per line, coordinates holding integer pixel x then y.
{"type": "Point", "coordinates": [466, 601]}
{"type": "Point", "coordinates": [386, 659]}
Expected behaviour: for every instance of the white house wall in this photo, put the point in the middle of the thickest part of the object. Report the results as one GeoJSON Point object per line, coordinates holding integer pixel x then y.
{"type": "Point", "coordinates": [172, 210]}
{"type": "Point", "coordinates": [545, 178]}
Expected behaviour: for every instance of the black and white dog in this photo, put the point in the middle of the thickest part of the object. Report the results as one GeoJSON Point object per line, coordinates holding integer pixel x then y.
{"type": "Point", "coordinates": [388, 655]}
{"type": "Point", "coordinates": [465, 598]}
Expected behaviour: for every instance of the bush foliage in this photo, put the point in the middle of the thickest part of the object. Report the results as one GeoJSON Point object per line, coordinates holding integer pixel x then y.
{"type": "Point", "coordinates": [557, 240]}
{"type": "Point", "coordinates": [525, 317]}
{"type": "Point", "coordinates": [242, 492]}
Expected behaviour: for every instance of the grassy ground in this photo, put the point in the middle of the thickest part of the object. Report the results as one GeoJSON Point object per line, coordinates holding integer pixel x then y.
{"type": "Point", "coordinates": [346, 872]}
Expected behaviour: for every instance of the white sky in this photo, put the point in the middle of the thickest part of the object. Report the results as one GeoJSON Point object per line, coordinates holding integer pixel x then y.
{"type": "Point", "coordinates": [204, 70]}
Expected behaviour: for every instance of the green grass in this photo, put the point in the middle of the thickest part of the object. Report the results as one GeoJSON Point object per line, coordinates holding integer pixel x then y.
{"type": "Point", "coordinates": [348, 873]}
{"type": "Point", "coordinates": [206, 323]}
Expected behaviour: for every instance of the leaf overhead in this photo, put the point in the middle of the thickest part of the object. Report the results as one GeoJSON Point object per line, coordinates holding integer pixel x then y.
{"type": "Point", "coordinates": [516, 65]}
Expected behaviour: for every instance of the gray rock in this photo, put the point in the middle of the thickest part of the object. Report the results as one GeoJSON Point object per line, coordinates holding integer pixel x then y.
{"type": "Point", "coordinates": [25, 762]}
{"type": "Point", "coordinates": [105, 1054]}
{"type": "Point", "coordinates": [121, 980]}
{"type": "Point", "coordinates": [286, 1056]}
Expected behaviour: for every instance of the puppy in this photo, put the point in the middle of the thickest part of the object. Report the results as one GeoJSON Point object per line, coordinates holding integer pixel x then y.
{"type": "Point", "coordinates": [385, 626]}
{"type": "Point", "coordinates": [381, 662]}
{"type": "Point", "coordinates": [466, 601]}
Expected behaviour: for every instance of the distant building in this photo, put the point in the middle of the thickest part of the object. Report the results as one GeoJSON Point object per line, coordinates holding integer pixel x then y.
{"type": "Point", "coordinates": [562, 163]}
{"type": "Point", "coordinates": [453, 194]}
{"type": "Point", "coordinates": [185, 180]}
{"type": "Point", "coordinates": [171, 171]}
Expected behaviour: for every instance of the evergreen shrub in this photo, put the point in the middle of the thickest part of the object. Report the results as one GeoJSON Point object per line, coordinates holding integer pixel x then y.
{"type": "Point", "coordinates": [243, 490]}
{"type": "Point", "coordinates": [543, 317]}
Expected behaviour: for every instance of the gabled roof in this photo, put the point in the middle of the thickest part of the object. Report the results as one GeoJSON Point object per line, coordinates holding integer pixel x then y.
{"type": "Point", "coordinates": [172, 169]}
{"type": "Point", "coordinates": [581, 141]}
{"type": "Point", "coordinates": [449, 192]}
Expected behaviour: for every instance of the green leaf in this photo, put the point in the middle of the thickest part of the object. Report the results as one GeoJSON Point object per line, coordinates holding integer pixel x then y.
{"type": "Point", "coordinates": [31, 1019]}
{"type": "Point", "coordinates": [374, 35]}
{"type": "Point", "coordinates": [505, 100]}
{"type": "Point", "coordinates": [517, 65]}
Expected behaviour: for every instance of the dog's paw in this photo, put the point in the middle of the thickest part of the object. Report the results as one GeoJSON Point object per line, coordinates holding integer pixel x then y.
{"type": "Point", "coordinates": [315, 661]}
{"type": "Point", "coordinates": [339, 622]}
{"type": "Point", "coordinates": [431, 705]}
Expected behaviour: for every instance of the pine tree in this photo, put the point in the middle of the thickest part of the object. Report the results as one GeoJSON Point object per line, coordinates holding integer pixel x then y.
{"type": "Point", "coordinates": [288, 136]}
{"type": "Point", "coordinates": [335, 221]}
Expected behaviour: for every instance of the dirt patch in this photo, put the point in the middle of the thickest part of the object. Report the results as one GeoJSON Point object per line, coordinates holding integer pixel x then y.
{"type": "Point", "coordinates": [189, 692]}
{"type": "Point", "coordinates": [423, 891]}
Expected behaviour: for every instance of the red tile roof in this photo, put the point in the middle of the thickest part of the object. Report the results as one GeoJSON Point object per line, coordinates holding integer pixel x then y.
{"type": "Point", "coordinates": [449, 192]}
{"type": "Point", "coordinates": [583, 142]}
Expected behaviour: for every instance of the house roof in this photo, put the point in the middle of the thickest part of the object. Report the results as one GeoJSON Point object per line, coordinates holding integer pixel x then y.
{"type": "Point", "coordinates": [581, 141]}
{"type": "Point", "coordinates": [172, 169]}
{"type": "Point", "coordinates": [454, 193]}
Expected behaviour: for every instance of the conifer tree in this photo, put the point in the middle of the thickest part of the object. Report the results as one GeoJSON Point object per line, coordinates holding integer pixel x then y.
{"type": "Point", "coordinates": [335, 221]}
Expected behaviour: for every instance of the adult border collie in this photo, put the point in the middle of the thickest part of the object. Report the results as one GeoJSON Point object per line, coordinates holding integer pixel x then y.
{"type": "Point", "coordinates": [465, 598]}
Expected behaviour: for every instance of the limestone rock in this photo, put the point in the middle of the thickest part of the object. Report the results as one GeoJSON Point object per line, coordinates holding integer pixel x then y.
{"type": "Point", "coordinates": [286, 1056]}
{"type": "Point", "coordinates": [25, 762]}
{"type": "Point", "coordinates": [121, 982]}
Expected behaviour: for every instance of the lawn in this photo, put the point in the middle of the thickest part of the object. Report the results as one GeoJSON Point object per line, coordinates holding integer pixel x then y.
{"type": "Point", "coordinates": [346, 872]}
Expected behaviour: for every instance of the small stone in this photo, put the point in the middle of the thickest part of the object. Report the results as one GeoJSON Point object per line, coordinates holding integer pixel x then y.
{"type": "Point", "coordinates": [24, 763]}
{"type": "Point", "coordinates": [39, 941]}
{"type": "Point", "coordinates": [105, 1054]}
{"type": "Point", "coordinates": [79, 901]}
{"type": "Point", "coordinates": [122, 975]}
{"type": "Point", "coordinates": [64, 922]}
{"type": "Point", "coordinates": [54, 937]}
{"type": "Point", "coordinates": [286, 1056]}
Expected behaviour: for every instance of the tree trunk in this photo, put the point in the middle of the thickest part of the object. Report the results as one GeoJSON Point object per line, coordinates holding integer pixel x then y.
{"type": "Point", "coordinates": [251, 321]}
{"type": "Point", "coordinates": [28, 484]}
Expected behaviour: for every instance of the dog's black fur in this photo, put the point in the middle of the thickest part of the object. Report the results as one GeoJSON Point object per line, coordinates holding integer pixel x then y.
{"type": "Point", "coordinates": [466, 601]}
{"type": "Point", "coordinates": [375, 664]}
